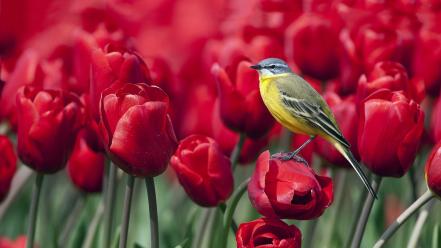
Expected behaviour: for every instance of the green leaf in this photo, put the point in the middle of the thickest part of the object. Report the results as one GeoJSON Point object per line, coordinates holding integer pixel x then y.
{"type": "Point", "coordinates": [115, 242]}
{"type": "Point", "coordinates": [137, 245]}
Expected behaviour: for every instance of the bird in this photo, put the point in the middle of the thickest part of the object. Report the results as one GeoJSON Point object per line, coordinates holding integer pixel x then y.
{"type": "Point", "coordinates": [301, 109]}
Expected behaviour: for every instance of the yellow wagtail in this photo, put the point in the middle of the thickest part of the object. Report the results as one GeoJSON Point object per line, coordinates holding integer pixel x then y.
{"type": "Point", "coordinates": [301, 109]}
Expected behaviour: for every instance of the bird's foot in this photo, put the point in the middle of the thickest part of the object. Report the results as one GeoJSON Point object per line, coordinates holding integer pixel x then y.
{"type": "Point", "coordinates": [286, 156]}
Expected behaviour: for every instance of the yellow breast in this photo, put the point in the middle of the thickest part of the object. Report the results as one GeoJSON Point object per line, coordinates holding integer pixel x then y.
{"type": "Point", "coordinates": [271, 97]}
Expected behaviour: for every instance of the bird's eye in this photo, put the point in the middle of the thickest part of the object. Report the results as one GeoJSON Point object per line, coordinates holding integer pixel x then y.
{"type": "Point", "coordinates": [272, 66]}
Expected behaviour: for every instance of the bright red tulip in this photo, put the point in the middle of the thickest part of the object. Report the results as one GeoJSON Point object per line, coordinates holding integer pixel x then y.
{"type": "Point", "coordinates": [288, 189]}
{"type": "Point", "coordinates": [203, 170]}
{"type": "Point", "coordinates": [345, 113]}
{"type": "Point", "coordinates": [266, 232]}
{"type": "Point", "coordinates": [433, 170]}
{"type": "Point", "coordinates": [136, 128]}
{"type": "Point", "coordinates": [8, 165]}
{"type": "Point", "coordinates": [86, 166]}
{"type": "Point", "coordinates": [306, 47]}
{"type": "Point", "coordinates": [48, 121]}
{"type": "Point", "coordinates": [241, 106]}
{"type": "Point", "coordinates": [389, 132]}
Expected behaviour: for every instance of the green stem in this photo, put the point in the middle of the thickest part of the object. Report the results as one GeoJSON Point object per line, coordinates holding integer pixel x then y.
{"type": "Point", "coordinates": [203, 226]}
{"type": "Point", "coordinates": [231, 207]}
{"type": "Point", "coordinates": [153, 211]}
{"type": "Point", "coordinates": [126, 211]}
{"type": "Point", "coordinates": [427, 196]}
{"type": "Point", "coordinates": [363, 218]}
{"type": "Point", "coordinates": [34, 209]}
{"type": "Point", "coordinates": [339, 191]}
{"type": "Point", "coordinates": [223, 208]}
{"type": "Point", "coordinates": [237, 149]}
{"type": "Point", "coordinates": [72, 220]}
{"type": "Point", "coordinates": [422, 217]}
{"type": "Point", "coordinates": [93, 226]}
{"type": "Point", "coordinates": [109, 205]}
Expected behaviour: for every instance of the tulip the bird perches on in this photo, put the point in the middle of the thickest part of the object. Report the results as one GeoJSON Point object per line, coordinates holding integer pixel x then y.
{"type": "Point", "coordinates": [301, 109]}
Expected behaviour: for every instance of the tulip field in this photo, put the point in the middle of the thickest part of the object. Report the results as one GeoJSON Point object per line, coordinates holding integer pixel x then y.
{"type": "Point", "coordinates": [173, 123]}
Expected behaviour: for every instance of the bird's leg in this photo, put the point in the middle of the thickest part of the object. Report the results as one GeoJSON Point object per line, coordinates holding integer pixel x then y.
{"type": "Point", "coordinates": [290, 155]}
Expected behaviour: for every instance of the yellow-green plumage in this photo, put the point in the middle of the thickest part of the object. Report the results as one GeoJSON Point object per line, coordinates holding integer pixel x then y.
{"type": "Point", "coordinates": [301, 109]}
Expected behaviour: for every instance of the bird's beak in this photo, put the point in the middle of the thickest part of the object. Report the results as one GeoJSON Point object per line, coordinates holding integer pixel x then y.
{"type": "Point", "coordinates": [256, 67]}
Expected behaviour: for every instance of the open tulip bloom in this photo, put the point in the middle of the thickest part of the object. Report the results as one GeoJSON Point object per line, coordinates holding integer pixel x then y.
{"type": "Point", "coordinates": [243, 119]}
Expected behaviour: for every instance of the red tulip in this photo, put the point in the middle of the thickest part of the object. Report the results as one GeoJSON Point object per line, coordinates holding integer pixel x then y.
{"type": "Point", "coordinates": [203, 170]}
{"type": "Point", "coordinates": [86, 166]}
{"type": "Point", "coordinates": [389, 132]}
{"type": "Point", "coordinates": [428, 55]}
{"type": "Point", "coordinates": [435, 122]}
{"type": "Point", "coordinates": [48, 121]}
{"type": "Point", "coordinates": [19, 242]}
{"type": "Point", "coordinates": [241, 106]}
{"type": "Point", "coordinates": [136, 128]}
{"type": "Point", "coordinates": [388, 75]}
{"type": "Point", "coordinates": [433, 170]}
{"type": "Point", "coordinates": [228, 139]}
{"type": "Point", "coordinates": [306, 47]}
{"type": "Point", "coordinates": [114, 67]}
{"type": "Point", "coordinates": [8, 164]}
{"type": "Point", "coordinates": [265, 232]}
{"type": "Point", "coordinates": [346, 115]}
{"type": "Point", "coordinates": [288, 189]}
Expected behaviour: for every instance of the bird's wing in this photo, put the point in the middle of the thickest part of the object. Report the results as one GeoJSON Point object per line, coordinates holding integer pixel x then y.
{"type": "Point", "coordinates": [314, 115]}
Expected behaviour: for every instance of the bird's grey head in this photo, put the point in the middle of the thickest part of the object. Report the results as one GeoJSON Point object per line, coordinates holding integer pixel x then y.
{"type": "Point", "coordinates": [271, 66]}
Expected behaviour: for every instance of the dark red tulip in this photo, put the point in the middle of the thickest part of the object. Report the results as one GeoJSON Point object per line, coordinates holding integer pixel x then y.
{"type": "Point", "coordinates": [266, 232]}
{"type": "Point", "coordinates": [8, 165]}
{"type": "Point", "coordinates": [433, 170]}
{"type": "Point", "coordinates": [136, 128]}
{"type": "Point", "coordinates": [392, 117]}
{"type": "Point", "coordinates": [306, 47]}
{"type": "Point", "coordinates": [389, 75]}
{"type": "Point", "coordinates": [241, 105]}
{"type": "Point", "coordinates": [203, 170]}
{"type": "Point", "coordinates": [86, 166]}
{"type": "Point", "coordinates": [48, 121]}
{"type": "Point", "coordinates": [435, 122]}
{"type": "Point", "coordinates": [345, 113]}
{"type": "Point", "coordinates": [288, 189]}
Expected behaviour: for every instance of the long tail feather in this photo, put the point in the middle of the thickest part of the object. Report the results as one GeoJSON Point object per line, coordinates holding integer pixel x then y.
{"type": "Point", "coordinates": [354, 163]}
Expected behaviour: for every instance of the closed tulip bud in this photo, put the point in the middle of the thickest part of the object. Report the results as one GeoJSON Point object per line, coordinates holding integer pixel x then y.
{"type": "Point", "coordinates": [306, 48]}
{"type": "Point", "coordinates": [136, 129]}
{"type": "Point", "coordinates": [288, 189]}
{"type": "Point", "coordinates": [241, 106]}
{"type": "Point", "coordinates": [8, 164]}
{"type": "Point", "coordinates": [433, 170]}
{"type": "Point", "coordinates": [389, 132]}
{"type": "Point", "coordinates": [48, 121]}
{"type": "Point", "coordinates": [86, 166]}
{"type": "Point", "coordinates": [266, 232]}
{"type": "Point", "coordinates": [203, 170]}
{"type": "Point", "coordinates": [346, 115]}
